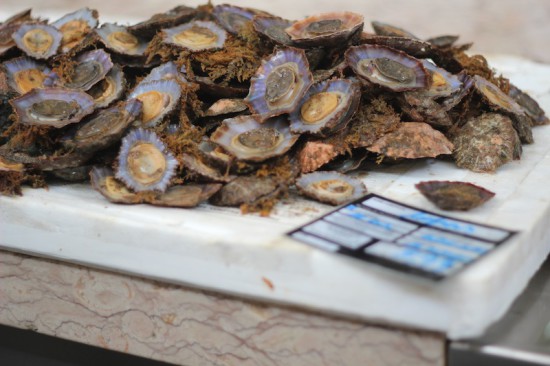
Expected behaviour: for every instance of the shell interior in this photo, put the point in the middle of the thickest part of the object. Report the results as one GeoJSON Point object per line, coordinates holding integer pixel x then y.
{"type": "Point", "coordinates": [326, 105]}
{"type": "Point", "coordinates": [196, 36]}
{"type": "Point", "coordinates": [279, 83]}
{"type": "Point", "coordinates": [55, 107]}
{"type": "Point", "coordinates": [248, 139]}
{"type": "Point", "coordinates": [118, 39]}
{"type": "Point", "coordinates": [75, 26]}
{"type": "Point", "coordinates": [159, 98]}
{"type": "Point", "coordinates": [144, 162]}
{"type": "Point", "coordinates": [25, 74]}
{"type": "Point", "coordinates": [330, 187]}
{"type": "Point", "coordinates": [110, 89]}
{"type": "Point", "coordinates": [443, 83]}
{"type": "Point", "coordinates": [91, 68]}
{"type": "Point", "coordinates": [327, 28]}
{"type": "Point", "coordinates": [39, 41]}
{"type": "Point", "coordinates": [387, 67]}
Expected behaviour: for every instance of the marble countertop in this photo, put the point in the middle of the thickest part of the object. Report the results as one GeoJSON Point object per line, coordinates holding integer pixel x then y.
{"type": "Point", "coordinates": [247, 256]}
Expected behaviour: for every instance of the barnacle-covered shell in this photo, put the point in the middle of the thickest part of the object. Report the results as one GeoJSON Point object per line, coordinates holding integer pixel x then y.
{"type": "Point", "coordinates": [171, 18]}
{"type": "Point", "coordinates": [413, 140]}
{"type": "Point", "coordinates": [25, 74]}
{"type": "Point", "coordinates": [498, 100]}
{"type": "Point", "coordinates": [91, 68]}
{"type": "Point", "coordinates": [37, 40]}
{"type": "Point", "coordinates": [144, 162]}
{"type": "Point", "coordinates": [273, 28]}
{"type": "Point", "coordinates": [326, 107]}
{"type": "Point", "coordinates": [196, 36]}
{"type": "Point", "coordinates": [232, 18]}
{"type": "Point", "coordinates": [328, 29]}
{"type": "Point", "coordinates": [385, 29]}
{"type": "Point", "coordinates": [330, 187]}
{"type": "Point", "coordinates": [279, 83]}
{"type": "Point", "coordinates": [485, 143]}
{"type": "Point", "coordinates": [387, 67]}
{"type": "Point", "coordinates": [443, 83]}
{"type": "Point", "coordinates": [110, 89]}
{"type": "Point", "coordinates": [244, 190]}
{"type": "Point", "coordinates": [105, 127]}
{"type": "Point", "coordinates": [315, 154]}
{"type": "Point", "coordinates": [118, 39]}
{"type": "Point", "coordinates": [455, 196]}
{"type": "Point", "coordinates": [75, 26]}
{"type": "Point", "coordinates": [159, 98]}
{"type": "Point", "coordinates": [55, 107]}
{"type": "Point", "coordinates": [530, 106]}
{"type": "Point", "coordinates": [248, 139]}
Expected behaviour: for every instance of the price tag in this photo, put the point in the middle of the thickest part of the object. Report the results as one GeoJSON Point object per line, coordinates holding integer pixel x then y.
{"type": "Point", "coordinates": [376, 229]}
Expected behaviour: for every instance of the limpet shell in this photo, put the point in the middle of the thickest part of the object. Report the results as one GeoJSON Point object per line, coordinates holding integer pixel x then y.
{"type": "Point", "coordinates": [454, 196]}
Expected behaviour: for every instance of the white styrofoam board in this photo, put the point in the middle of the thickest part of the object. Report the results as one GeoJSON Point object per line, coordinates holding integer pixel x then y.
{"type": "Point", "coordinates": [221, 250]}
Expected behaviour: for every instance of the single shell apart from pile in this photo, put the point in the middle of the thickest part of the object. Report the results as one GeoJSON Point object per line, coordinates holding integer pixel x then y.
{"type": "Point", "coordinates": [456, 196]}
{"type": "Point", "coordinates": [331, 187]}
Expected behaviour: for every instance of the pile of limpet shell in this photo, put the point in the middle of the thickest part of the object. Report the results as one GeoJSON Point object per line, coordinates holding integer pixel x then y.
{"type": "Point", "coordinates": [235, 106]}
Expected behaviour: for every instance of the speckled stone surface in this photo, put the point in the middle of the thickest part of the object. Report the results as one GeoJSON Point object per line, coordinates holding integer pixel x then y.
{"type": "Point", "coordinates": [190, 327]}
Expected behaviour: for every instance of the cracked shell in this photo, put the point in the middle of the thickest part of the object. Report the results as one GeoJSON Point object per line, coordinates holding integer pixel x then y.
{"type": "Point", "coordinates": [159, 98]}
{"type": "Point", "coordinates": [75, 26]}
{"type": "Point", "coordinates": [326, 107]}
{"type": "Point", "coordinates": [454, 196]}
{"type": "Point", "coordinates": [247, 139]}
{"type": "Point", "coordinates": [392, 69]}
{"type": "Point", "coordinates": [144, 162]}
{"type": "Point", "coordinates": [118, 39]}
{"type": "Point", "coordinates": [55, 107]}
{"type": "Point", "coordinates": [279, 83]}
{"type": "Point", "coordinates": [330, 187]}
{"type": "Point", "coordinates": [25, 74]}
{"type": "Point", "coordinates": [39, 41]}
{"type": "Point", "coordinates": [328, 29]}
{"type": "Point", "coordinates": [412, 140]}
{"type": "Point", "coordinates": [196, 36]}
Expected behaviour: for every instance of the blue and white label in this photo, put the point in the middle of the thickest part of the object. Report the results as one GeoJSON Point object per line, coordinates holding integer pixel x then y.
{"type": "Point", "coordinates": [386, 232]}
